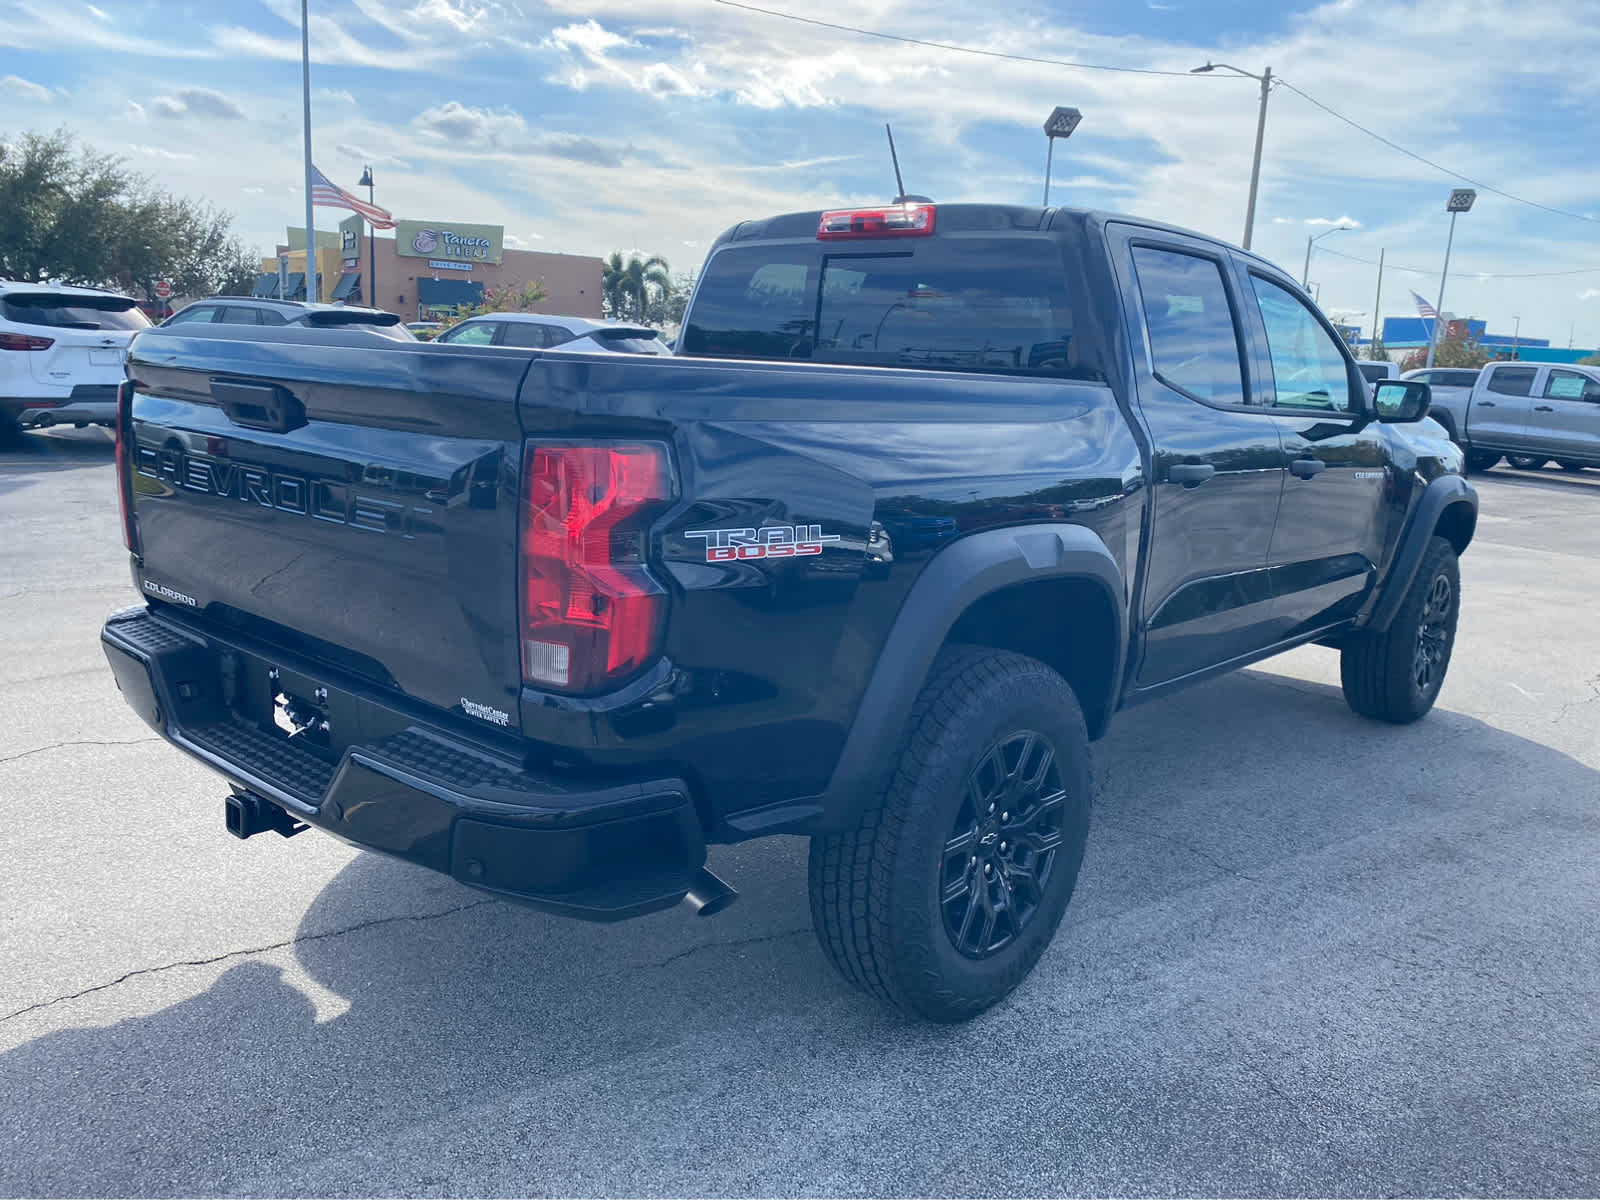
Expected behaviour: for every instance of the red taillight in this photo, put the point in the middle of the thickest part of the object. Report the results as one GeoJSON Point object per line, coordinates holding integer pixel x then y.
{"type": "Point", "coordinates": [124, 454]}
{"type": "Point", "coordinates": [591, 613]}
{"type": "Point", "coordinates": [902, 220]}
{"type": "Point", "coordinates": [24, 341]}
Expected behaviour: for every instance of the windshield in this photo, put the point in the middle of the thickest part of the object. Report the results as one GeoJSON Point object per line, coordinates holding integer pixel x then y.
{"type": "Point", "coordinates": [952, 304]}
{"type": "Point", "coordinates": [73, 312]}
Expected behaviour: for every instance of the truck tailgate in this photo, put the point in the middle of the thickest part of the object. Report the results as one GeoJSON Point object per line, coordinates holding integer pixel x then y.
{"type": "Point", "coordinates": [372, 526]}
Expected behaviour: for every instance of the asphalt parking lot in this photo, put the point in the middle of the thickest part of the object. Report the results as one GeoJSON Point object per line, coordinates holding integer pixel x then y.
{"type": "Point", "coordinates": [1309, 955]}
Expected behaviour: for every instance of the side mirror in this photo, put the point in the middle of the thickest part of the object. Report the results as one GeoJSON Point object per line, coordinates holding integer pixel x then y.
{"type": "Point", "coordinates": [1399, 401]}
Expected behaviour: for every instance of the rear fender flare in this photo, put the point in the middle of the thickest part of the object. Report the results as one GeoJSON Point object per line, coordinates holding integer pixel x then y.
{"type": "Point", "coordinates": [952, 582]}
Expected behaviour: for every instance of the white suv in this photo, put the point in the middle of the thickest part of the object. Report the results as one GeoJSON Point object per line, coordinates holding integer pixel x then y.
{"type": "Point", "coordinates": [62, 352]}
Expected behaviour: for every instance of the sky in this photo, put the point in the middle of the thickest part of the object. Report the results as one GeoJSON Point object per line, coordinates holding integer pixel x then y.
{"type": "Point", "coordinates": [585, 126]}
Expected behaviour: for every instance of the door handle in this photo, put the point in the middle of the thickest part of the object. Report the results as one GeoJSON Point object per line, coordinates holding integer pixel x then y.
{"type": "Point", "coordinates": [1485, 403]}
{"type": "Point", "coordinates": [1190, 474]}
{"type": "Point", "coordinates": [1305, 468]}
{"type": "Point", "coordinates": [1544, 408]}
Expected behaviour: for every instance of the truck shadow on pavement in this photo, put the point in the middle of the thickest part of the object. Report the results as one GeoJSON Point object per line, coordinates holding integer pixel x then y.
{"type": "Point", "coordinates": [1308, 955]}
{"type": "Point", "coordinates": [25, 456]}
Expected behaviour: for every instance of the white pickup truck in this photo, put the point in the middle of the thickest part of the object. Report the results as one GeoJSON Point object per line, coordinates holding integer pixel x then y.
{"type": "Point", "coordinates": [1526, 413]}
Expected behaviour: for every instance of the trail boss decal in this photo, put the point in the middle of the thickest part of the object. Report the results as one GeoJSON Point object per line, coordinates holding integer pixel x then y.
{"type": "Point", "coordinates": [770, 541]}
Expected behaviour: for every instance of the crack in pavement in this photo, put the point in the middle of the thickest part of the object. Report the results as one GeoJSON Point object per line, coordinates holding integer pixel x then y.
{"type": "Point", "coordinates": [206, 962]}
{"type": "Point", "coordinates": [85, 742]}
{"type": "Point", "coordinates": [1179, 842]}
{"type": "Point", "coordinates": [751, 941]}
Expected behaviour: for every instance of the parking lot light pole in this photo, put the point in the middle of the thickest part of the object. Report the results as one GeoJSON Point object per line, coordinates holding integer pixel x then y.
{"type": "Point", "coordinates": [1265, 80]}
{"type": "Point", "coordinates": [372, 241]}
{"type": "Point", "coordinates": [1305, 275]}
{"type": "Point", "coordinates": [1377, 301]}
{"type": "Point", "coordinates": [1060, 124]}
{"type": "Point", "coordinates": [1460, 201]}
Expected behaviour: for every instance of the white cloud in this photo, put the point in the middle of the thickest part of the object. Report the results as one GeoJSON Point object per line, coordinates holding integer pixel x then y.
{"type": "Point", "coordinates": [333, 95]}
{"type": "Point", "coordinates": [202, 103]}
{"type": "Point", "coordinates": [160, 152]}
{"type": "Point", "coordinates": [1347, 222]}
{"type": "Point", "coordinates": [253, 191]}
{"type": "Point", "coordinates": [1589, 294]}
{"type": "Point", "coordinates": [135, 110]}
{"type": "Point", "coordinates": [27, 89]}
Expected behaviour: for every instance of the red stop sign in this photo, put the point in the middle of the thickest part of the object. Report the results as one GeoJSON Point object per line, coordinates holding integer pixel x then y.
{"type": "Point", "coordinates": [163, 290]}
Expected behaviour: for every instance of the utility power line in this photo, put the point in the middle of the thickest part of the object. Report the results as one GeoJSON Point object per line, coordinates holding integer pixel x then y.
{"type": "Point", "coordinates": [1372, 262]}
{"type": "Point", "coordinates": [957, 48]}
{"type": "Point", "coordinates": [951, 46]}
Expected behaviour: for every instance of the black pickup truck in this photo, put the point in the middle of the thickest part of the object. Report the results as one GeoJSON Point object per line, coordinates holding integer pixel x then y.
{"type": "Point", "coordinates": [925, 496]}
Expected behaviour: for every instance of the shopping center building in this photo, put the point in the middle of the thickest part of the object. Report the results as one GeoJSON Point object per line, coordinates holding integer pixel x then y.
{"type": "Point", "coordinates": [428, 266]}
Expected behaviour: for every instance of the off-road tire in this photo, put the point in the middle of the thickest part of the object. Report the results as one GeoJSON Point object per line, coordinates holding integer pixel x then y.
{"type": "Point", "coordinates": [1380, 671]}
{"type": "Point", "coordinates": [1482, 460]}
{"type": "Point", "coordinates": [876, 891]}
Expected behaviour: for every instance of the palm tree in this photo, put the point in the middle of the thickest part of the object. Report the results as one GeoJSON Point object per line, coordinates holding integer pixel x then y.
{"type": "Point", "coordinates": [629, 285]}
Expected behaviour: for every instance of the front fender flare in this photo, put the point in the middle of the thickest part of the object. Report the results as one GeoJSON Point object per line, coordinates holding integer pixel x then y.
{"type": "Point", "coordinates": [958, 576]}
{"type": "Point", "coordinates": [1439, 495]}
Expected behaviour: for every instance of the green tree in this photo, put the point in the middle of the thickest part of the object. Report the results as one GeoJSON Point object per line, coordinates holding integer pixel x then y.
{"type": "Point", "coordinates": [670, 307]}
{"type": "Point", "coordinates": [1592, 360]}
{"type": "Point", "coordinates": [69, 213]}
{"type": "Point", "coordinates": [1378, 352]}
{"type": "Point", "coordinates": [513, 297]}
{"type": "Point", "coordinates": [633, 288]}
{"type": "Point", "coordinates": [1455, 349]}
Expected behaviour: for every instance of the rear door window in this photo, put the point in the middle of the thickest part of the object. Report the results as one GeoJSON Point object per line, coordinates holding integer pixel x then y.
{"type": "Point", "coordinates": [953, 304]}
{"type": "Point", "coordinates": [1512, 381]}
{"type": "Point", "coordinates": [1194, 345]}
{"type": "Point", "coordinates": [234, 314]}
{"type": "Point", "coordinates": [1571, 385]}
{"type": "Point", "coordinates": [195, 314]}
{"type": "Point", "coordinates": [526, 335]}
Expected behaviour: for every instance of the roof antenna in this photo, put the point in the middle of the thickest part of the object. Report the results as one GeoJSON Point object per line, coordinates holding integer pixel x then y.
{"type": "Point", "coordinates": [899, 184]}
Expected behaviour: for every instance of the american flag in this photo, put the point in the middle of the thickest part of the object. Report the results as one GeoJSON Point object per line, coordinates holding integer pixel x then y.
{"type": "Point", "coordinates": [324, 194]}
{"type": "Point", "coordinates": [1424, 309]}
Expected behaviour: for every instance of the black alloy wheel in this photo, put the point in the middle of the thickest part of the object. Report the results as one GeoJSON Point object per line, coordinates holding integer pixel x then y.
{"type": "Point", "coordinates": [1002, 849]}
{"type": "Point", "coordinates": [1433, 635]}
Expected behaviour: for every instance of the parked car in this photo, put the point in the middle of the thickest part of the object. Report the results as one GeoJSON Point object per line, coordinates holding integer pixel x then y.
{"type": "Point", "coordinates": [1527, 413]}
{"type": "Point", "coordinates": [1376, 372]}
{"type": "Point", "coordinates": [536, 331]}
{"type": "Point", "coordinates": [929, 494]}
{"type": "Point", "coordinates": [248, 310]}
{"type": "Point", "coordinates": [61, 353]}
{"type": "Point", "coordinates": [425, 331]}
{"type": "Point", "coordinates": [1451, 387]}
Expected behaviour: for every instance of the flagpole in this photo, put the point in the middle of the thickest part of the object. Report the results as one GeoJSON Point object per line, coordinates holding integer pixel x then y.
{"type": "Point", "coordinates": [313, 290]}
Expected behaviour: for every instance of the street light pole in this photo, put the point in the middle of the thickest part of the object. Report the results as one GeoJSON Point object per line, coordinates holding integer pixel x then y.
{"type": "Point", "coordinates": [1265, 79]}
{"type": "Point", "coordinates": [1372, 342]}
{"type": "Point", "coordinates": [372, 241]}
{"type": "Point", "coordinates": [1059, 124]}
{"type": "Point", "coordinates": [1305, 275]}
{"type": "Point", "coordinates": [1460, 201]}
{"type": "Point", "coordinates": [313, 292]}
{"type": "Point", "coordinates": [1516, 334]}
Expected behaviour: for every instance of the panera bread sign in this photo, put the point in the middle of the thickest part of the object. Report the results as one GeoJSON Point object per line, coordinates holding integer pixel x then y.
{"type": "Point", "coordinates": [453, 242]}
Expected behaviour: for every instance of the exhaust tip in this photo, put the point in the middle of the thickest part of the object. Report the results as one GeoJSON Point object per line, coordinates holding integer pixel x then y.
{"type": "Point", "coordinates": [709, 895]}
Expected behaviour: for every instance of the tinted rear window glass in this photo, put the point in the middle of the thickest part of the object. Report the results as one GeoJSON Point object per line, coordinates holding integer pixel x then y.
{"type": "Point", "coordinates": [1456, 378]}
{"type": "Point", "coordinates": [524, 334]}
{"type": "Point", "coordinates": [73, 312]}
{"type": "Point", "coordinates": [951, 304]}
{"type": "Point", "coordinates": [629, 341]}
{"type": "Point", "coordinates": [1512, 381]}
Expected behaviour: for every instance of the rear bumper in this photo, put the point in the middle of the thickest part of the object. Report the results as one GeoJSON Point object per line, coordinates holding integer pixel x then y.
{"type": "Point", "coordinates": [95, 403]}
{"type": "Point", "coordinates": [600, 851]}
